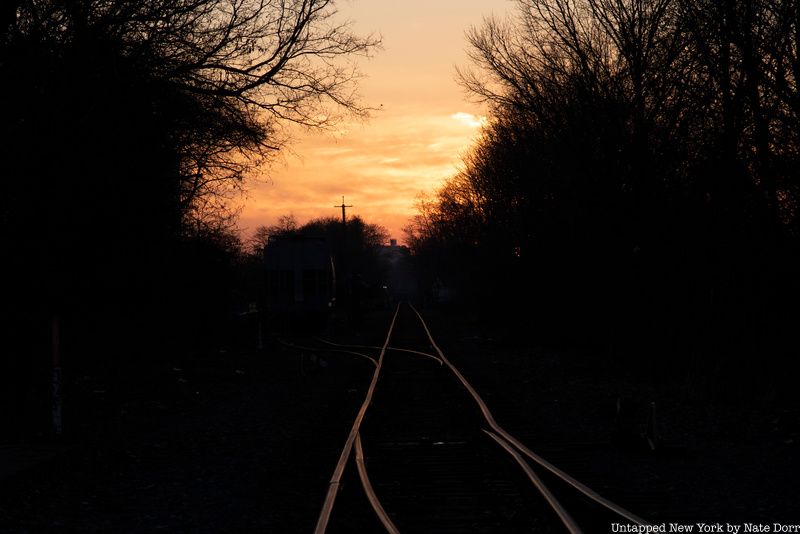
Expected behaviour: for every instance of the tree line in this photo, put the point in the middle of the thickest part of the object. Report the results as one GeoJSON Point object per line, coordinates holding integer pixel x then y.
{"type": "Point", "coordinates": [636, 187]}
{"type": "Point", "coordinates": [354, 247]}
{"type": "Point", "coordinates": [128, 128]}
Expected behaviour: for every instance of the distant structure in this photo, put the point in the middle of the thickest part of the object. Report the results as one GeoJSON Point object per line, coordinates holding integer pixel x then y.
{"type": "Point", "coordinates": [392, 252]}
{"type": "Point", "coordinates": [300, 276]}
{"type": "Point", "coordinates": [401, 283]}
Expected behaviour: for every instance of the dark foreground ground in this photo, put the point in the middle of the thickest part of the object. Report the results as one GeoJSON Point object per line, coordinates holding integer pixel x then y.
{"type": "Point", "coordinates": [247, 440]}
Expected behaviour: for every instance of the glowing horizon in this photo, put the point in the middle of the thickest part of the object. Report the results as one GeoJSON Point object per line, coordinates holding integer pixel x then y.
{"type": "Point", "coordinates": [424, 124]}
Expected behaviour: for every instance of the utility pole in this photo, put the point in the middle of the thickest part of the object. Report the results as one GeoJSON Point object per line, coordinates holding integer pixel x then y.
{"type": "Point", "coordinates": [343, 206]}
{"type": "Point", "coordinates": [342, 258]}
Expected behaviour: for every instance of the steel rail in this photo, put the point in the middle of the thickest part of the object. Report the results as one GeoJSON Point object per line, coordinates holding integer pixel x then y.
{"type": "Point", "coordinates": [359, 451]}
{"type": "Point", "coordinates": [371, 495]}
{"type": "Point", "coordinates": [317, 349]}
{"type": "Point", "coordinates": [582, 488]}
{"type": "Point", "coordinates": [395, 349]}
{"type": "Point", "coordinates": [562, 513]}
{"type": "Point", "coordinates": [336, 479]}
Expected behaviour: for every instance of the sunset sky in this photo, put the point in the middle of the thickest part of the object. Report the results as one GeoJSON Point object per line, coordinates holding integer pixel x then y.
{"type": "Point", "coordinates": [411, 144]}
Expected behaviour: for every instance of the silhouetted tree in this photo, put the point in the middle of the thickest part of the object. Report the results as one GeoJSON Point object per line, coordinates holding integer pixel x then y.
{"type": "Point", "coordinates": [637, 180]}
{"type": "Point", "coordinates": [363, 235]}
{"type": "Point", "coordinates": [129, 127]}
{"type": "Point", "coordinates": [222, 74]}
{"type": "Point", "coordinates": [354, 250]}
{"type": "Point", "coordinates": [131, 123]}
{"type": "Point", "coordinates": [286, 225]}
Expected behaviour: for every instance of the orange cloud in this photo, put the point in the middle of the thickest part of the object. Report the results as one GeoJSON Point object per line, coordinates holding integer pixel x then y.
{"type": "Point", "coordinates": [380, 168]}
{"type": "Point", "coordinates": [411, 145]}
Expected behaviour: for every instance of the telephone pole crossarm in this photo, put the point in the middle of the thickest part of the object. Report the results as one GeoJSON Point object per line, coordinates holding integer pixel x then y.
{"type": "Point", "coordinates": [343, 206]}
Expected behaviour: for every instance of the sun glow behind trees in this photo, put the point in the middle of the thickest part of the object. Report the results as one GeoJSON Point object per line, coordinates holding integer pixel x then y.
{"type": "Point", "coordinates": [638, 181]}
{"type": "Point", "coordinates": [411, 143]}
{"type": "Point", "coordinates": [381, 167]}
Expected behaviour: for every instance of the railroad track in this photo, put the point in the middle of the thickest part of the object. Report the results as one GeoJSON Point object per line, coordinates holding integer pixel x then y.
{"type": "Point", "coordinates": [430, 457]}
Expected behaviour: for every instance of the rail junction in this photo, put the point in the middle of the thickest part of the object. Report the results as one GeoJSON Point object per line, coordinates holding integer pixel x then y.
{"type": "Point", "coordinates": [427, 455]}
